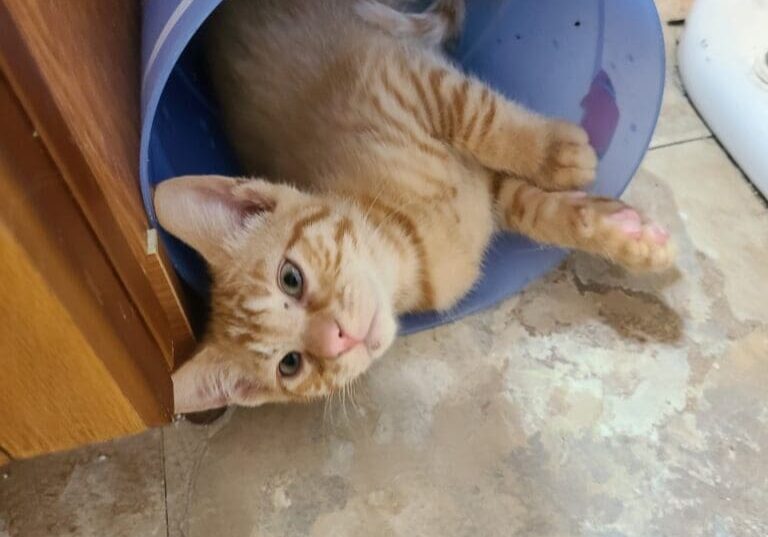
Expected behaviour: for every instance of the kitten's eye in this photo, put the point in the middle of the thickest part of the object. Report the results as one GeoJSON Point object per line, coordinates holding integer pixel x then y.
{"type": "Point", "coordinates": [290, 279]}
{"type": "Point", "coordinates": [290, 364]}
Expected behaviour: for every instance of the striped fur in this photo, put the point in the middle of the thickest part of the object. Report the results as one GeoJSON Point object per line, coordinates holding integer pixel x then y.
{"type": "Point", "coordinates": [404, 165]}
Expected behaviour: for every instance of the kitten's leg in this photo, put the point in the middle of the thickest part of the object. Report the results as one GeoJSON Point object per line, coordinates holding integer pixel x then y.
{"type": "Point", "coordinates": [501, 135]}
{"type": "Point", "coordinates": [601, 226]}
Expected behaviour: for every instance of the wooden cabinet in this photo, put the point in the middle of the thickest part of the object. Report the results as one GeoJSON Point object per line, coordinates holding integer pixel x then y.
{"type": "Point", "coordinates": [91, 325]}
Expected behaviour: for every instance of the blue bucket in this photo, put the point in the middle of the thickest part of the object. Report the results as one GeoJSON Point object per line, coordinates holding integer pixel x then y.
{"type": "Point", "coordinates": [595, 62]}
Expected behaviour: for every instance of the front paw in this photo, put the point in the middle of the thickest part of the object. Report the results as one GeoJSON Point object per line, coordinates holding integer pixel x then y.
{"type": "Point", "coordinates": [569, 161]}
{"type": "Point", "coordinates": [621, 234]}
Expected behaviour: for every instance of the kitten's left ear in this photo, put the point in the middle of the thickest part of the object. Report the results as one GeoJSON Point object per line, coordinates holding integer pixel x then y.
{"type": "Point", "coordinates": [209, 381]}
{"type": "Point", "coordinates": [204, 210]}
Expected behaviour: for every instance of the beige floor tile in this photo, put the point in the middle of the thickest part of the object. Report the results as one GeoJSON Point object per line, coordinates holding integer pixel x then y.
{"type": "Point", "coordinates": [111, 490]}
{"type": "Point", "coordinates": [594, 404]}
{"type": "Point", "coordinates": [721, 216]}
{"type": "Point", "coordinates": [678, 120]}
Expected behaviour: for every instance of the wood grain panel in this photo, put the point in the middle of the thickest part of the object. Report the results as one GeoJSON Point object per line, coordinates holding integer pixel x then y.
{"type": "Point", "coordinates": [77, 360]}
{"type": "Point", "coordinates": [76, 72]}
{"type": "Point", "coordinates": [56, 393]}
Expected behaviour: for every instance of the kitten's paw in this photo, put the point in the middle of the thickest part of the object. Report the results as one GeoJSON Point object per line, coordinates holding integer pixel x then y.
{"type": "Point", "coordinates": [570, 162]}
{"type": "Point", "coordinates": [623, 235]}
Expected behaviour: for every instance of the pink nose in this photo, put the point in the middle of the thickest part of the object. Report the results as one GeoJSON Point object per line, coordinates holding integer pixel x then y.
{"type": "Point", "coordinates": [327, 339]}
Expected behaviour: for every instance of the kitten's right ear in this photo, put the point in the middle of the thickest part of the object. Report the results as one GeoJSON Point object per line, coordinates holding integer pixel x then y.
{"type": "Point", "coordinates": [209, 380]}
{"type": "Point", "coordinates": [203, 211]}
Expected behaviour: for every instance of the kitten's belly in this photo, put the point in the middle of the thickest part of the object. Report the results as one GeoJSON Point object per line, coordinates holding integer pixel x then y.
{"type": "Point", "coordinates": [456, 241]}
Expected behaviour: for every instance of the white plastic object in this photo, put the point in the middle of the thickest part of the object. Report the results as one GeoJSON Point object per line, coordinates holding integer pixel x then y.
{"type": "Point", "coordinates": [723, 58]}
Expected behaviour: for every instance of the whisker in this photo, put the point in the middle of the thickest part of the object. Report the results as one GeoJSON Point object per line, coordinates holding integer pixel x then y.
{"type": "Point", "coordinates": [374, 200]}
{"type": "Point", "coordinates": [332, 406]}
{"type": "Point", "coordinates": [326, 404]}
{"type": "Point", "coordinates": [353, 395]}
{"type": "Point", "coordinates": [344, 402]}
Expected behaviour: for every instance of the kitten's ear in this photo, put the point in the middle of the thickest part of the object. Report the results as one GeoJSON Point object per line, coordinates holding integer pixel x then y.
{"type": "Point", "coordinates": [203, 210]}
{"type": "Point", "coordinates": [209, 381]}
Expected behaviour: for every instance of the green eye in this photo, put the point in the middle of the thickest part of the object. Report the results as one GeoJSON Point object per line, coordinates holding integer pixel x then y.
{"type": "Point", "coordinates": [290, 364]}
{"type": "Point", "coordinates": [290, 279]}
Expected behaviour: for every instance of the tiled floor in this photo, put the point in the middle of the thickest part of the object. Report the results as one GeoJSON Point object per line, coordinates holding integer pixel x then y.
{"type": "Point", "coordinates": [594, 404]}
{"type": "Point", "coordinates": [678, 121]}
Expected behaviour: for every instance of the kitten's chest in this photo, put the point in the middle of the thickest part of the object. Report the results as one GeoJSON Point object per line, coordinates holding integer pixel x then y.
{"type": "Point", "coordinates": [439, 199]}
{"type": "Point", "coordinates": [457, 236]}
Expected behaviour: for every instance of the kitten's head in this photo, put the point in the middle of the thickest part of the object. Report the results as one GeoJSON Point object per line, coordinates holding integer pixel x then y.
{"type": "Point", "coordinates": [302, 298]}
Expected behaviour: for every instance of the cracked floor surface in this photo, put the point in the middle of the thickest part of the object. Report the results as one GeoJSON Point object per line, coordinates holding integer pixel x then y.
{"type": "Point", "coordinates": [593, 404]}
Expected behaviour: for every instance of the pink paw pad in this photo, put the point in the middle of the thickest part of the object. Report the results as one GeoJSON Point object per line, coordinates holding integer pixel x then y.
{"type": "Point", "coordinates": [628, 221]}
{"type": "Point", "coordinates": [658, 234]}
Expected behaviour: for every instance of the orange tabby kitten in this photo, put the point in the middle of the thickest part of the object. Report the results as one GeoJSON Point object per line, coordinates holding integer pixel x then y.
{"type": "Point", "coordinates": [404, 167]}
